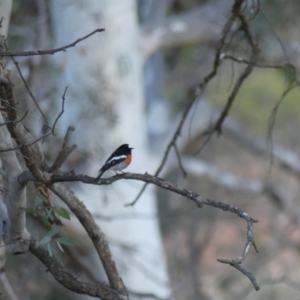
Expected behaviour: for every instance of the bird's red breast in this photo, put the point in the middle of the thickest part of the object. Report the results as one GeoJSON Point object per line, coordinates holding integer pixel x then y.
{"type": "Point", "coordinates": [128, 159]}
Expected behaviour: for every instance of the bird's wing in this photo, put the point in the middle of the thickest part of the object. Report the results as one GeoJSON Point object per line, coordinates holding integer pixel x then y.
{"type": "Point", "coordinates": [113, 161]}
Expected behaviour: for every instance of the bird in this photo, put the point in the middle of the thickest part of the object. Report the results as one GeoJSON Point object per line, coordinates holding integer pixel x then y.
{"type": "Point", "coordinates": [119, 160]}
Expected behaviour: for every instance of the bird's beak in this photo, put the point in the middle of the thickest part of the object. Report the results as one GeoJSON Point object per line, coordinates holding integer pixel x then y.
{"type": "Point", "coordinates": [131, 148]}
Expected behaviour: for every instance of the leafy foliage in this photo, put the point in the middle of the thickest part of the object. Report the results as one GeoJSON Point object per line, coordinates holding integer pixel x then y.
{"type": "Point", "coordinates": [48, 215]}
{"type": "Point", "coordinates": [59, 241]}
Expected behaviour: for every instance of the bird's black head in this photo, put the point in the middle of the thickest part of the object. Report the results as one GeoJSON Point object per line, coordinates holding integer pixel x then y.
{"type": "Point", "coordinates": [125, 149]}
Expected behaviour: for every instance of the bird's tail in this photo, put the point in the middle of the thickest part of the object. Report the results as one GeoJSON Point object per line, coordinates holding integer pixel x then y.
{"type": "Point", "coordinates": [100, 174]}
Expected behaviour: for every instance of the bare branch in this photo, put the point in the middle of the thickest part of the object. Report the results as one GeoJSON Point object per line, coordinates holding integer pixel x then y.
{"type": "Point", "coordinates": [33, 154]}
{"type": "Point", "coordinates": [15, 122]}
{"type": "Point", "coordinates": [50, 51]}
{"type": "Point", "coordinates": [30, 149]}
{"type": "Point", "coordinates": [28, 89]}
{"type": "Point", "coordinates": [236, 10]}
{"type": "Point", "coordinates": [201, 87]}
{"type": "Point", "coordinates": [242, 270]}
{"type": "Point", "coordinates": [95, 233]}
{"type": "Point", "coordinates": [71, 282]}
{"type": "Point", "coordinates": [263, 65]}
{"type": "Point", "coordinates": [180, 161]}
{"type": "Point", "coordinates": [64, 152]}
{"type": "Point", "coordinates": [81, 212]}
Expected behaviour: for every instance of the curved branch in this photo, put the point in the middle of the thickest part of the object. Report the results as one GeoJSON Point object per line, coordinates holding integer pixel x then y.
{"type": "Point", "coordinates": [199, 200]}
{"type": "Point", "coordinates": [97, 236]}
{"type": "Point", "coordinates": [71, 282]}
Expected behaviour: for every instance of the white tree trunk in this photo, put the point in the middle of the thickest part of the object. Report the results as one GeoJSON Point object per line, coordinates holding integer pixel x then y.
{"type": "Point", "coordinates": [105, 102]}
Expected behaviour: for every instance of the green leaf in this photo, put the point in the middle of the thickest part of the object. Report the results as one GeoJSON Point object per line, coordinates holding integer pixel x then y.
{"type": "Point", "coordinates": [60, 247]}
{"type": "Point", "coordinates": [43, 198]}
{"type": "Point", "coordinates": [53, 213]}
{"type": "Point", "coordinates": [53, 231]}
{"type": "Point", "coordinates": [45, 222]}
{"type": "Point", "coordinates": [49, 215]}
{"type": "Point", "coordinates": [49, 249]}
{"type": "Point", "coordinates": [36, 201]}
{"type": "Point", "coordinates": [62, 212]}
{"type": "Point", "coordinates": [67, 242]}
{"type": "Point", "coordinates": [45, 240]}
{"type": "Point", "coordinates": [2, 172]}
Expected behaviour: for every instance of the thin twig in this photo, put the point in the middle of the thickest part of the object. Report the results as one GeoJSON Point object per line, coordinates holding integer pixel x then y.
{"type": "Point", "coordinates": [64, 152]}
{"type": "Point", "coordinates": [248, 274]}
{"type": "Point", "coordinates": [244, 26]}
{"type": "Point", "coordinates": [180, 161]}
{"type": "Point", "coordinates": [28, 89]}
{"type": "Point", "coordinates": [15, 122]}
{"type": "Point", "coordinates": [62, 109]}
{"type": "Point", "coordinates": [259, 65]}
{"type": "Point", "coordinates": [50, 51]}
{"type": "Point", "coordinates": [45, 135]}
{"type": "Point", "coordinates": [200, 89]}
{"type": "Point", "coordinates": [255, 52]}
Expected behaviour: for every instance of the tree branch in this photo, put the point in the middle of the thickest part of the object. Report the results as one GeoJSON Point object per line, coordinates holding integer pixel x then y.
{"type": "Point", "coordinates": [71, 282]}
{"type": "Point", "coordinates": [83, 214]}
{"type": "Point", "coordinates": [50, 51]}
{"type": "Point", "coordinates": [200, 89]}
{"type": "Point", "coordinates": [242, 270]}
{"type": "Point", "coordinates": [28, 89]}
{"type": "Point", "coordinates": [95, 233]}
{"type": "Point", "coordinates": [64, 152]}
{"type": "Point", "coordinates": [237, 12]}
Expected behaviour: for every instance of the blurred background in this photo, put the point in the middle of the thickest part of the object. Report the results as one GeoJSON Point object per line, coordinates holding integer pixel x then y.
{"type": "Point", "coordinates": [254, 164]}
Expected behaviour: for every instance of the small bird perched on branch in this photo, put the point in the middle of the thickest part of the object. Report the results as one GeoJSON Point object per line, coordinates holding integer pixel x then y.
{"type": "Point", "coordinates": [119, 160]}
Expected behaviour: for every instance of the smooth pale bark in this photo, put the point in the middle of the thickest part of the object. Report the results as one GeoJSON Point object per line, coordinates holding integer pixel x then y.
{"type": "Point", "coordinates": [105, 102]}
